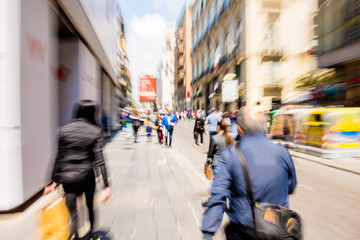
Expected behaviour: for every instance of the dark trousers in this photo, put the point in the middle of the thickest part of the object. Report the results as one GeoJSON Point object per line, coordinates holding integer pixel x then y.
{"type": "Point", "coordinates": [211, 133]}
{"type": "Point", "coordinates": [169, 135]}
{"type": "Point", "coordinates": [135, 133]}
{"type": "Point", "coordinates": [72, 191]}
{"type": "Point", "coordinates": [160, 136]}
{"type": "Point", "coordinates": [196, 136]}
{"type": "Point", "coordinates": [237, 232]}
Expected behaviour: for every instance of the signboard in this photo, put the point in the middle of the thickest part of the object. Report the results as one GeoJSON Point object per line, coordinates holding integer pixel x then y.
{"type": "Point", "coordinates": [229, 91]}
{"type": "Point", "coordinates": [147, 89]}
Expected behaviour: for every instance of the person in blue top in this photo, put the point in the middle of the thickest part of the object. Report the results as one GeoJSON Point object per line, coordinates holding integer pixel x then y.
{"type": "Point", "coordinates": [271, 170]}
{"type": "Point", "coordinates": [169, 121]}
{"type": "Point", "coordinates": [212, 120]}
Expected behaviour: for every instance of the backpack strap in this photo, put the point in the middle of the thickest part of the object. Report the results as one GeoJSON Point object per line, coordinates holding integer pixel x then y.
{"type": "Point", "coordinates": [249, 189]}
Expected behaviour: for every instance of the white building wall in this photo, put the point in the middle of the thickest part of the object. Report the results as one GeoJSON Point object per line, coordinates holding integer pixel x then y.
{"type": "Point", "coordinates": [69, 84]}
{"type": "Point", "coordinates": [90, 76]}
{"type": "Point", "coordinates": [38, 90]}
{"type": "Point", "coordinates": [30, 118]}
{"type": "Point", "coordinates": [11, 186]}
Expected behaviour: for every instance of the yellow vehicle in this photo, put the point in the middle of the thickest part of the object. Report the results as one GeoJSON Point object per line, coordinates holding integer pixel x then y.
{"type": "Point", "coordinates": [331, 128]}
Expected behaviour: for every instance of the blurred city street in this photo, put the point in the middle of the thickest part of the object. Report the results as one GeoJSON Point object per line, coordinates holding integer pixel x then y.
{"type": "Point", "coordinates": [157, 194]}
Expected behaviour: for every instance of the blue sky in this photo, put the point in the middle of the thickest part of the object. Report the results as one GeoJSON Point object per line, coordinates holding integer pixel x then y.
{"type": "Point", "coordinates": [145, 24]}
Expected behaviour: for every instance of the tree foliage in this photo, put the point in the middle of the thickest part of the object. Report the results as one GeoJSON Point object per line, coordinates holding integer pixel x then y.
{"type": "Point", "coordinates": [316, 78]}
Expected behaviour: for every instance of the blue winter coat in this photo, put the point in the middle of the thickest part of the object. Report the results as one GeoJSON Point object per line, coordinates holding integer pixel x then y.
{"type": "Point", "coordinates": [169, 119]}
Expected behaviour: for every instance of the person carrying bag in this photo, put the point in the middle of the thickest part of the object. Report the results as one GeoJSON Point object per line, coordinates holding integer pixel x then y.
{"type": "Point", "coordinates": [273, 178]}
{"type": "Point", "coordinates": [270, 221]}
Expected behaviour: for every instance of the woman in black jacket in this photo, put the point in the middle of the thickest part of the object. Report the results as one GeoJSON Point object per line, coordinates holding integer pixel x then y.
{"type": "Point", "coordinates": [198, 129]}
{"type": "Point", "coordinates": [79, 152]}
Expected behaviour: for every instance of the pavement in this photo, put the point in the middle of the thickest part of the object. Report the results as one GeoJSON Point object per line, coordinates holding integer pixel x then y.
{"type": "Point", "coordinates": [157, 192]}
{"type": "Point", "coordinates": [343, 163]}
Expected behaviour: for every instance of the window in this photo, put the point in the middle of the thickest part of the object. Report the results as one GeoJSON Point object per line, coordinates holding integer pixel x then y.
{"type": "Point", "coordinates": [272, 30]}
{"type": "Point", "coordinates": [274, 66]}
{"type": "Point", "coordinates": [212, 13]}
{"type": "Point", "coordinates": [209, 21]}
{"type": "Point", "coordinates": [239, 32]}
{"type": "Point", "coordinates": [216, 10]}
{"type": "Point", "coordinates": [209, 59]}
{"type": "Point", "coordinates": [203, 65]}
{"type": "Point", "coordinates": [226, 45]}
{"type": "Point", "coordinates": [206, 22]}
{"type": "Point", "coordinates": [217, 55]}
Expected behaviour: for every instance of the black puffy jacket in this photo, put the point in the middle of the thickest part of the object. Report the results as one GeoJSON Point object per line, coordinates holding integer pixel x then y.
{"type": "Point", "coordinates": [79, 152]}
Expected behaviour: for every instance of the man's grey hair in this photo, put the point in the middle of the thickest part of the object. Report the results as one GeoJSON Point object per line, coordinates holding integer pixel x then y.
{"type": "Point", "coordinates": [251, 121]}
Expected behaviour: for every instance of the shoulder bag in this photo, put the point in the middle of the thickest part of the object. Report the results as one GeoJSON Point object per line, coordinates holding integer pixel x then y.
{"type": "Point", "coordinates": [270, 221]}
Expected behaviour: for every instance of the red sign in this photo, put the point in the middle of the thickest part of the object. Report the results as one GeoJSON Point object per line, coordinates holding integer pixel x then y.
{"type": "Point", "coordinates": [147, 89]}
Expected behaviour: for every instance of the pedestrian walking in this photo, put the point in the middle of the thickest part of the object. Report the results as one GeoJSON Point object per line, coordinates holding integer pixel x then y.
{"type": "Point", "coordinates": [79, 152]}
{"type": "Point", "coordinates": [158, 128]}
{"type": "Point", "coordinates": [148, 129]}
{"type": "Point", "coordinates": [212, 120]}
{"type": "Point", "coordinates": [219, 142]}
{"type": "Point", "coordinates": [272, 174]}
{"type": "Point", "coordinates": [198, 129]}
{"type": "Point", "coordinates": [136, 124]}
{"type": "Point", "coordinates": [233, 128]}
{"type": "Point", "coordinates": [105, 122]}
{"type": "Point", "coordinates": [169, 121]}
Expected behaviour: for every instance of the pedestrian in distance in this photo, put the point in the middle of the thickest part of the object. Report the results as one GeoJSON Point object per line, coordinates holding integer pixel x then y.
{"type": "Point", "coordinates": [148, 129]}
{"type": "Point", "coordinates": [169, 121]}
{"type": "Point", "coordinates": [219, 142]}
{"type": "Point", "coordinates": [136, 124]}
{"type": "Point", "coordinates": [158, 128]}
{"type": "Point", "coordinates": [79, 154]}
{"type": "Point", "coordinates": [212, 120]}
{"type": "Point", "coordinates": [198, 129]}
{"type": "Point", "coordinates": [272, 174]}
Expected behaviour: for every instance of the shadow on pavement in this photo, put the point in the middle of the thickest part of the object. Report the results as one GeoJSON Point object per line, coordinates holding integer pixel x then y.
{"type": "Point", "coordinates": [98, 235]}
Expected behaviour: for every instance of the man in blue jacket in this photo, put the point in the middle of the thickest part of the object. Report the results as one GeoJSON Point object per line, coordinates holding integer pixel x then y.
{"type": "Point", "coordinates": [169, 121]}
{"type": "Point", "coordinates": [271, 170]}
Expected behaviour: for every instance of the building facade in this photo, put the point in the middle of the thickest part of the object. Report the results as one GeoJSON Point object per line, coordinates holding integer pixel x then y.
{"type": "Point", "coordinates": [165, 80]}
{"type": "Point", "coordinates": [266, 44]}
{"type": "Point", "coordinates": [183, 68]}
{"type": "Point", "coordinates": [124, 77]}
{"type": "Point", "coordinates": [339, 44]}
{"type": "Point", "coordinates": [52, 54]}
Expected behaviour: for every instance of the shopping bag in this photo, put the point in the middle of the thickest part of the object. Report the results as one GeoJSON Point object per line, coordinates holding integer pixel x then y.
{"type": "Point", "coordinates": [208, 170]}
{"type": "Point", "coordinates": [55, 220]}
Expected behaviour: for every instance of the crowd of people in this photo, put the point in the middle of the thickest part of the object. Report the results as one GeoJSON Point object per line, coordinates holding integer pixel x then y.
{"type": "Point", "coordinates": [270, 166]}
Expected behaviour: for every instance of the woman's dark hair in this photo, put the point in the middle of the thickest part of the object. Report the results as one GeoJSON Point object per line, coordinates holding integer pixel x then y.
{"type": "Point", "coordinates": [86, 109]}
{"type": "Point", "coordinates": [223, 126]}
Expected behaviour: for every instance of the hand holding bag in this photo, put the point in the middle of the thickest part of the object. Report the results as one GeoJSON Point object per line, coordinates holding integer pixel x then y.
{"type": "Point", "coordinates": [271, 222]}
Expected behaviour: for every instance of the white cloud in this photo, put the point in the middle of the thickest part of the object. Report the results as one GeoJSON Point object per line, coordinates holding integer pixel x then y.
{"type": "Point", "coordinates": [171, 8]}
{"type": "Point", "coordinates": [144, 42]}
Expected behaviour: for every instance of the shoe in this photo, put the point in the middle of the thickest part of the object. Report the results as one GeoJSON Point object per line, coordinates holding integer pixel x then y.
{"type": "Point", "coordinates": [201, 144]}
{"type": "Point", "coordinates": [195, 145]}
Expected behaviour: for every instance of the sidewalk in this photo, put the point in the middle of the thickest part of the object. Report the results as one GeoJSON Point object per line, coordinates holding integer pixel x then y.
{"type": "Point", "coordinates": [156, 191]}
{"type": "Point", "coordinates": [351, 165]}
{"type": "Point", "coordinates": [338, 161]}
